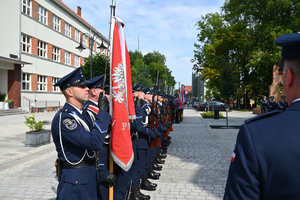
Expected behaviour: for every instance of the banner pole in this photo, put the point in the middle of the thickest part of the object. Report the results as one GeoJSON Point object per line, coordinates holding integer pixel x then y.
{"type": "Point", "coordinates": [111, 162]}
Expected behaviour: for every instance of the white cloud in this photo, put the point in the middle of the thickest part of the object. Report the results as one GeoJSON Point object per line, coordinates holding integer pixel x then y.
{"type": "Point", "coordinates": [166, 26]}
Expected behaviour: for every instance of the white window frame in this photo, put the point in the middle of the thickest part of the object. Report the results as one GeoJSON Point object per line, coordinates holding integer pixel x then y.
{"type": "Point", "coordinates": [42, 49]}
{"type": "Point", "coordinates": [67, 29]}
{"type": "Point", "coordinates": [42, 83]}
{"type": "Point", "coordinates": [55, 88]}
{"type": "Point", "coordinates": [76, 61]}
{"type": "Point", "coordinates": [67, 58]}
{"type": "Point", "coordinates": [42, 15]}
{"type": "Point", "coordinates": [26, 7]}
{"type": "Point", "coordinates": [84, 40]}
{"type": "Point", "coordinates": [77, 35]}
{"type": "Point", "coordinates": [26, 81]}
{"type": "Point", "coordinates": [56, 54]}
{"type": "Point", "coordinates": [25, 44]}
{"type": "Point", "coordinates": [56, 23]}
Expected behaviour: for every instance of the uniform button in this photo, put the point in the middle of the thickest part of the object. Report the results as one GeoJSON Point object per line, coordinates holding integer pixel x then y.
{"type": "Point", "coordinates": [76, 182]}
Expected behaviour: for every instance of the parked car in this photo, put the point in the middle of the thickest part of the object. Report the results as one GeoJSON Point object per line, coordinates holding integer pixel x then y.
{"type": "Point", "coordinates": [196, 104]}
{"type": "Point", "coordinates": [213, 105]}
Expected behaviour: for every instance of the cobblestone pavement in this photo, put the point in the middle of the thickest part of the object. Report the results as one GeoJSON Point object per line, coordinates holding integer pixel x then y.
{"type": "Point", "coordinates": [196, 166]}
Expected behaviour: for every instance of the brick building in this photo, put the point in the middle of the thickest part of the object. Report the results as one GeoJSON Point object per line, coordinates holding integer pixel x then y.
{"type": "Point", "coordinates": [38, 41]}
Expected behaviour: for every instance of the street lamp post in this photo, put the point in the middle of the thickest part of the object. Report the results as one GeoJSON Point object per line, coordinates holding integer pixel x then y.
{"type": "Point", "coordinates": [92, 39]}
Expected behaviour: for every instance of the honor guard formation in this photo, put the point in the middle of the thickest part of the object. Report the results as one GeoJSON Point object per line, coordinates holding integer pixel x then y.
{"type": "Point", "coordinates": [81, 133]}
{"type": "Point", "coordinates": [264, 165]}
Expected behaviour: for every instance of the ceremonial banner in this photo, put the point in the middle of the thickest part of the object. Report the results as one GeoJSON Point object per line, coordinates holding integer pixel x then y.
{"type": "Point", "coordinates": [183, 96]}
{"type": "Point", "coordinates": [121, 104]}
{"type": "Point", "coordinates": [179, 98]}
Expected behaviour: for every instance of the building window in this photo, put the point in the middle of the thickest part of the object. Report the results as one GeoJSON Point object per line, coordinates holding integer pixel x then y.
{"type": "Point", "coordinates": [25, 81]}
{"type": "Point", "coordinates": [42, 14]}
{"type": "Point", "coordinates": [77, 35]}
{"type": "Point", "coordinates": [26, 8]}
{"type": "Point", "coordinates": [55, 88]}
{"type": "Point", "coordinates": [42, 83]}
{"type": "Point", "coordinates": [76, 61]}
{"type": "Point", "coordinates": [56, 22]}
{"type": "Point", "coordinates": [67, 29]}
{"type": "Point", "coordinates": [26, 44]}
{"type": "Point", "coordinates": [67, 58]}
{"type": "Point", "coordinates": [42, 49]}
{"type": "Point", "coordinates": [55, 54]}
{"type": "Point", "coordinates": [84, 40]}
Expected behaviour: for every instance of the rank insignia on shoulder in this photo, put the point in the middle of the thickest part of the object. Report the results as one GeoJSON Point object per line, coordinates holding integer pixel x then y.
{"type": "Point", "coordinates": [232, 157]}
{"type": "Point", "coordinates": [70, 123]}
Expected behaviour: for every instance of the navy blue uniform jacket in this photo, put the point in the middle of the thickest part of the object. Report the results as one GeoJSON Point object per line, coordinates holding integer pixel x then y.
{"type": "Point", "coordinates": [78, 183]}
{"type": "Point", "coordinates": [267, 158]}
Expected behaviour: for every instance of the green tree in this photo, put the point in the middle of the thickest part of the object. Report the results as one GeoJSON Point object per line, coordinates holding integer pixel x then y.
{"type": "Point", "coordinates": [98, 67]}
{"type": "Point", "coordinates": [135, 56]}
{"type": "Point", "coordinates": [241, 39]}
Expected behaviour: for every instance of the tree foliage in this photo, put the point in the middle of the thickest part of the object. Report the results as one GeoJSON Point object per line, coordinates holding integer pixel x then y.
{"type": "Point", "coordinates": [235, 49]}
{"type": "Point", "coordinates": [143, 68]}
{"type": "Point", "coordinates": [98, 67]}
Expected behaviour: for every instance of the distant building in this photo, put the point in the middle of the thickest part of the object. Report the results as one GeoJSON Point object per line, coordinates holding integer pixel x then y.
{"type": "Point", "coordinates": [198, 88]}
{"type": "Point", "coordinates": [188, 92]}
{"type": "Point", "coordinates": [38, 41]}
{"type": "Point", "coordinates": [276, 89]}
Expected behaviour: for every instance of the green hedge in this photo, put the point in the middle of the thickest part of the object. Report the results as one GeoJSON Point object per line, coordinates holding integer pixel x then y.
{"type": "Point", "coordinates": [210, 114]}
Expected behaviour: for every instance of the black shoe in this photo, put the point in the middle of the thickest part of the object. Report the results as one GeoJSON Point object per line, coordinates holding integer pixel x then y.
{"type": "Point", "coordinates": [135, 194]}
{"type": "Point", "coordinates": [147, 186]}
{"type": "Point", "coordinates": [167, 141]}
{"type": "Point", "coordinates": [151, 175]}
{"type": "Point", "coordinates": [169, 137]}
{"type": "Point", "coordinates": [141, 195]}
{"type": "Point", "coordinates": [156, 173]}
{"type": "Point", "coordinates": [164, 148]}
{"type": "Point", "coordinates": [162, 155]}
{"type": "Point", "coordinates": [163, 151]}
{"type": "Point", "coordinates": [152, 184]}
{"type": "Point", "coordinates": [157, 167]}
{"type": "Point", "coordinates": [160, 161]}
{"type": "Point", "coordinates": [164, 144]}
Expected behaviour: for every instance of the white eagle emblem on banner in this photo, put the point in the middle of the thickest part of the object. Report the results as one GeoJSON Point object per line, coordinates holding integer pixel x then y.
{"type": "Point", "coordinates": [119, 78]}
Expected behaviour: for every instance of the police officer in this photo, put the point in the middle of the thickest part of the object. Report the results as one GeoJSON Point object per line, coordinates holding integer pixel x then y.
{"type": "Point", "coordinates": [140, 125]}
{"type": "Point", "coordinates": [104, 177]}
{"type": "Point", "coordinates": [271, 105]}
{"type": "Point", "coordinates": [76, 142]}
{"type": "Point", "coordinates": [282, 105]}
{"type": "Point", "coordinates": [151, 155]}
{"type": "Point", "coordinates": [265, 163]}
{"type": "Point", "coordinates": [263, 105]}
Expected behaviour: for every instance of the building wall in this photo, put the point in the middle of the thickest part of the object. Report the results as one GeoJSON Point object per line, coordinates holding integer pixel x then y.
{"type": "Point", "coordinates": [198, 86]}
{"type": "Point", "coordinates": [3, 80]}
{"type": "Point", "coordinates": [12, 18]}
{"type": "Point", "coordinates": [10, 35]}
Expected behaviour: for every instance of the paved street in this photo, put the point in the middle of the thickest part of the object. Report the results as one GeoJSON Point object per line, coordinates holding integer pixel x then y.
{"type": "Point", "coordinates": [196, 166]}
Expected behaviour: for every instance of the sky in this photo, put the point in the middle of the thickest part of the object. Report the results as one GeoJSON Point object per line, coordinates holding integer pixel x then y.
{"type": "Point", "coordinates": [166, 26]}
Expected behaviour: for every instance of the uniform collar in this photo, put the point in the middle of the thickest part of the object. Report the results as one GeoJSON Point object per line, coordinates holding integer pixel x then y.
{"type": "Point", "coordinates": [296, 100]}
{"type": "Point", "coordinates": [94, 102]}
{"type": "Point", "coordinates": [80, 111]}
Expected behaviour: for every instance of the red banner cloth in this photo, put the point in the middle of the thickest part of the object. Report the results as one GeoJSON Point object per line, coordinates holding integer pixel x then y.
{"type": "Point", "coordinates": [122, 107]}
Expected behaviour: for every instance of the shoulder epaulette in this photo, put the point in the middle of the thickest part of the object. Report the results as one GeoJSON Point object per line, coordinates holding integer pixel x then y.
{"type": "Point", "coordinates": [262, 116]}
